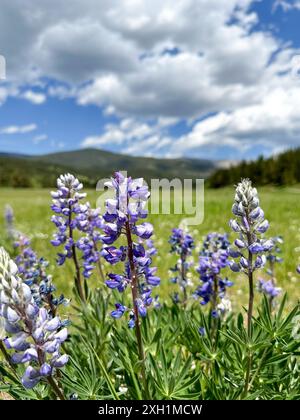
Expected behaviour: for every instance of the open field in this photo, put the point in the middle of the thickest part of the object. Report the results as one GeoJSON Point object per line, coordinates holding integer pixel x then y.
{"type": "Point", "coordinates": [281, 206]}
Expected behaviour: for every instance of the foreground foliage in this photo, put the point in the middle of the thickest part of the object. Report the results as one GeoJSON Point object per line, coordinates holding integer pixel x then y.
{"type": "Point", "coordinates": [191, 347]}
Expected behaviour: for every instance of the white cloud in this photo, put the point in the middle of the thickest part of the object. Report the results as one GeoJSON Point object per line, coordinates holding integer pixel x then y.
{"type": "Point", "coordinates": [39, 138]}
{"type": "Point", "coordinates": [119, 57]}
{"type": "Point", "coordinates": [18, 129]}
{"type": "Point", "coordinates": [34, 97]}
{"type": "Point", "coordinates": [276, 118]}
{"type": "Point", "coordinates": [3, 95]}
{"type": "Point", "coordinates": [286, 6]}
{"type": "Point", "coordinates": [130, 136]}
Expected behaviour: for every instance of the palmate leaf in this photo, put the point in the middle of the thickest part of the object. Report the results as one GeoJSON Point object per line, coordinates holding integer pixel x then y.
{"type": "Point", "coordinates": [173, 377]}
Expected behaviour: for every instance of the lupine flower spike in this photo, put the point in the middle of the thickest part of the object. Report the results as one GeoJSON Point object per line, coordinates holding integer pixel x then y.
{"type": "Point", "coordinates": [250, 224]}
{"type": "Point", "coordinates": [122, 215]}
{"type": "Point", "coordinates": [66, 205]}
{"type": "Point", "coordinates": [182, 245]}
{"type": "Point", "coordinates": [212, 260]}
{"type": "Point", "coordinates": [34, 335]}
{"type": "Point", "coordinates": [90, 224]}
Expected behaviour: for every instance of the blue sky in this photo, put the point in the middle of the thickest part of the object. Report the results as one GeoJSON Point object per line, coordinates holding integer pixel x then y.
{"type": "Point", "coordinates": [211, 79]}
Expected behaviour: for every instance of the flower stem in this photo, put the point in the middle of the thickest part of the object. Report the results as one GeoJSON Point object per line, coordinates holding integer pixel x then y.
{"type": "Point", "coordinates": [248, 372]}
{"type": "Point", "coordinates": [134, 290]}
{"type": "Point", "coordinates": [214, 306]}
{"type": "Point", "coordinates": [99, 265]}
{"type": "Point", "coordinates": [251, 297]}
{"type": "Point", "coordinates": [259, 366]}
{"type": "Point", "coordinates": [183, 279]}
{"type": "Point", "coordinates": [55, 388]}
{"type": "Point", "coordinates": [250, 314]}
{"type": "Point", "coordinates": [251, 286]}
{"type": "Point", "coordinates": [75, 259]}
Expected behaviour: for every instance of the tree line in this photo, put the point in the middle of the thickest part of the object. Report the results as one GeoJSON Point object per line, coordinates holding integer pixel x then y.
{"type": "Point", "coordinates": [283, 169]}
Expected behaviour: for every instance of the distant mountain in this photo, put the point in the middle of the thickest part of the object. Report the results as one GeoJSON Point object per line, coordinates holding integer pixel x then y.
{"type": "Point", "coordinates": [282, 169]}
{"type": "Point", "coordinates": [99, 163]}
{"type": "Point", "coordinates": [93, 164]}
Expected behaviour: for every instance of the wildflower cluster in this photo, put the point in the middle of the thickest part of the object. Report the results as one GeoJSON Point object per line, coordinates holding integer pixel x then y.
{"type": "Point", "coordinates": [212, 260]}
{"type": "Point", "coordinates": [121, 218]}
{"type": "Point", "coordinates": [33, 271]}
{"type": "Point", "coordinates": [34, 334]}
{"type": "Point", "coordinates": [182, 245]}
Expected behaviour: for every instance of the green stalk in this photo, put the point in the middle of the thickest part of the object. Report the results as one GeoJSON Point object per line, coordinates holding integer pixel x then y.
{"type": "Point", "coordinates": [134, 291]}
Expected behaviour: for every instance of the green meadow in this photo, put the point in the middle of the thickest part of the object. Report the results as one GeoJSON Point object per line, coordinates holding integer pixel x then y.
{"type": "Point", "coordinates": [281, 206]}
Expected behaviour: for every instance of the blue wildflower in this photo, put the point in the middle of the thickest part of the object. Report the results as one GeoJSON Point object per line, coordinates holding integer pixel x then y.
{"type": "Point", "coordinates": [121, 217]}
{"type": "Point", "coordinates": [182, 245]}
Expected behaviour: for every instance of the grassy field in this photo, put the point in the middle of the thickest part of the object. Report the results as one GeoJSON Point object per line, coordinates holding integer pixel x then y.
{"type": "Point", "coordinates": [281, 206]}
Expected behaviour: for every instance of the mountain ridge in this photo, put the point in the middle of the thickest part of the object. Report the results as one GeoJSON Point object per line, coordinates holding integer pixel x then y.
{"type": "Point", "coordinates": [93, 164]}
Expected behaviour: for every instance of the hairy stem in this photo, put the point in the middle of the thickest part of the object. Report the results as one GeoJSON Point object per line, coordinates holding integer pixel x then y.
{"type": "Point", "coordinates": [58, 392]}
{"type": "Point", "coordinates": [134, 291]}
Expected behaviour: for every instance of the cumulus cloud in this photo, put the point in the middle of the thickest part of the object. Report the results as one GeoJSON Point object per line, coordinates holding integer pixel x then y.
{"type": "Point", "coordinates": [155, 63]}
{"type": "Point", "coordinates": [129, 135]}
{"type": "Point", "coordinates": [34, 97]}
{"type": "Point", "coordinates": [18, 129]}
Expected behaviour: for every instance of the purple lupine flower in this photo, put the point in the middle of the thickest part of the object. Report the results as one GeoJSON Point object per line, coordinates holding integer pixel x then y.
{"type": "Point", "coordinates": [201, 331]}
{"type": "Point", "coordinates": [122, 215]}
{"type": "Point", "coordinates": [250, 219]}
{"type": "Point", "coordinates": [90, 224]}
{"type": "Point", "coordinates": [268, 288]}
{"type": "Point", "coordinates": [69, 215]}
{"type": "Point", "coordinates": [33, 272]}
{"type": "Point", "coordinates": [35, 335]}
{"type": "Point", "coordinates": [182, 245]}
{"type": "Point", "coordinates": [9, 222]}
{"type": "Point", "coordinates": [273, 256]}
{"type": "Point", "coordinates": [212, 260]}
{"type": "Point", "coordinates": [119, 311]}
{"type": "Point", "coordinates": [114, 255]}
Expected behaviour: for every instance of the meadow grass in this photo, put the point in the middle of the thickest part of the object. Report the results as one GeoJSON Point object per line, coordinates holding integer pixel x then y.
{"type": "Point", "coordinates": [281, 206]}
